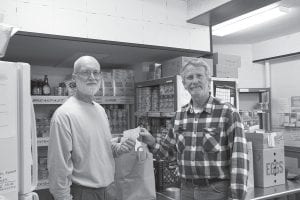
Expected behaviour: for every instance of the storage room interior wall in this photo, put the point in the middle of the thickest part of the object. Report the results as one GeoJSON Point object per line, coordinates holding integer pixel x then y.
{"type": "Point", "coordinates": [285, 76]}
{"type": "Point", "coordinates": [250, 75]}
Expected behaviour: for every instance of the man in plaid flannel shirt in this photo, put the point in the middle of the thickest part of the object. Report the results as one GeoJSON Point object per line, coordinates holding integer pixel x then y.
{"type": "Point", "coordinates": [210, 144]}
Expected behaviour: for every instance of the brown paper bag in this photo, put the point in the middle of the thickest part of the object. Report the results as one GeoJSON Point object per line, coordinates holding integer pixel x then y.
{"type": "Point", "coordinates": [134, 176]}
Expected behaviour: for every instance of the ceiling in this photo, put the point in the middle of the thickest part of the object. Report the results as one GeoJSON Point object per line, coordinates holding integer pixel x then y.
{"type": "Point", "coordinates": [284, 25]}
{"type": "Point", "coordinates": [61, 51]}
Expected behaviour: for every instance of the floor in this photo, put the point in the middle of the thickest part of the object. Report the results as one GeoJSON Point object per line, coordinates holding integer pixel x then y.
{"type": "Point", "coordinates": [168, 194]}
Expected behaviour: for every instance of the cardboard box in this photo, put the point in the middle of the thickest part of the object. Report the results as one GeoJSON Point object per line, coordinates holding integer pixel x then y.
{"type": "Point", "coordinates": [107, 83]}
{"type": "Point", "coordinates": [172, 67]}
{"type": "Point", "coordinates": [154, 71]}
{"type": "Point", "coordinates": [266, 140]}
{"type": "Point", "coordinates": [269, 167]}
{"type": "Point", "coordinates": [250, 181]}
{"type": "Point", "coordinates": [226, 71]}
{"type": "Point", "coordinates": [225, 65]}
{"type": "Point", "coordinates": [226, 59]}
{"type": "Point", "coordinates": [123, 82]}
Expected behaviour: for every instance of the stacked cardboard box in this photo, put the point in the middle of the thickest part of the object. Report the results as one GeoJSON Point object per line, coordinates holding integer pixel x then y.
{"type": "Point", "coordinates": [268, 158]}
{"type": "Point", "coordinates": [123, 82]}
{"type": "Point", "coordinates": [172, 67]}
{"type": "Point", "coordinates": [154, 71]}
{"type": "Point", "coordinates": [107, 83]}
{"type": "Point", "coordinates": [250, 181]}
{"type": "Point", "coordinates": [226, 66]}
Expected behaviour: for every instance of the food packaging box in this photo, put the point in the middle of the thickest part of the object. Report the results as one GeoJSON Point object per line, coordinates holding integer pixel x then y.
{"type": "Point", "coordinates": [269, 167]}
{"type": "Point", "coordinates": [172, 67]}
{"type": "Point", "coordinates": [225, 65]}
{"type": "Point", "coordinates": [226, 71]}
{"type": "Point", "coordinates": [250, 181]}
{"type": "Point", "coordinates": [266, 140]}
{"type": "Point", "coordinates": [108, 89]}
{"type": "Point", "coordinates": [227, 60]}
{"type": "Point", "coordinates": [123, 82]}
{"type": "Point", "coordinates": [154, 71]}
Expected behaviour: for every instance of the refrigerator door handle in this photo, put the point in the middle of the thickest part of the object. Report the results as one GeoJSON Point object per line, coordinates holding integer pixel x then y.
{"type": "Point", "coordinates": [34, 151]}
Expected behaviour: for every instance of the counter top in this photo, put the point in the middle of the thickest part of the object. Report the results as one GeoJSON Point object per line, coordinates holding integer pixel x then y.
{"type": "Point", "coordinates": [256, 193]}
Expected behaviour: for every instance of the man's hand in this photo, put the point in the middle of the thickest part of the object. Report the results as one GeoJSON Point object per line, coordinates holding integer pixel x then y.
{"type": "Point", "coordinates": [146, 137]}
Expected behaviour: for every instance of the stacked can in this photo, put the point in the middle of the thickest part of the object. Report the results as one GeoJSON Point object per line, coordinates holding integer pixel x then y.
{"type": "Point", "coordinates": [155, 99]}
{"type": "Point", "coordinates": [166, 103]}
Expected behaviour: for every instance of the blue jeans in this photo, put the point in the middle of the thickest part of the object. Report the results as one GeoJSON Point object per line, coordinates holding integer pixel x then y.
{"type": "Point", "coordinates": [85, 193]}
{"type": "Point", "coordinates": [218, 190]}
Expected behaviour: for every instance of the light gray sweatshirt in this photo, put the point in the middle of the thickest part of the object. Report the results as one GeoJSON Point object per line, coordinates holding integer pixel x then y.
{"type": "Point", "coordinates": [80, 148]}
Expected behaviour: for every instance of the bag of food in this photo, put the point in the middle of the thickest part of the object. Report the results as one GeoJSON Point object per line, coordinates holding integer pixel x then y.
{"type": "Point", "coordinates": [134, 177]}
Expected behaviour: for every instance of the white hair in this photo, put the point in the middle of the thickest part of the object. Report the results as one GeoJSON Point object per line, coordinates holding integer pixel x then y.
{"type": "Point", "coordinates": [199, 62]}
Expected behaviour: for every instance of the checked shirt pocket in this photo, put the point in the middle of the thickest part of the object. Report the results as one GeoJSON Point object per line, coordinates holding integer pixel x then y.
{"type": "Point", "coordinates": [211, 140]}
{"type": "Point", "coordinates": [180, 140]}
{"type": "Point", "coordinates": [180, 144]}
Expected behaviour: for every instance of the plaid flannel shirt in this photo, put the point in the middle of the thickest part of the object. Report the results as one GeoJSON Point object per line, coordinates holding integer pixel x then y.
{"type": "Point", "coordinates": [209, 144]}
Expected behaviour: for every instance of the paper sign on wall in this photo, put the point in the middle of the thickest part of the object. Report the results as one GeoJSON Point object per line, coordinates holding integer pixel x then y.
{"type": "Point", "coordinates": [8, 181]}
{"type": "Point", "coordinates": [4, 117]}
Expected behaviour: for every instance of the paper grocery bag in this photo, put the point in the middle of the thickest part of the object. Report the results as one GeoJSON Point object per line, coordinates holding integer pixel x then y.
{"type": "Point", "coordinates": [134, 176]}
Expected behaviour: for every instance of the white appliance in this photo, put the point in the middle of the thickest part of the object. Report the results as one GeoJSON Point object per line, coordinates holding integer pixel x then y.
{"type": "Point", "coordinates": [18, 146]}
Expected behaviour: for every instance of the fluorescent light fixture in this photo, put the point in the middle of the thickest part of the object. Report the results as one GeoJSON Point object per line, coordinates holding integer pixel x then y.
{"type": "Point", "coordinates": [250, 19]}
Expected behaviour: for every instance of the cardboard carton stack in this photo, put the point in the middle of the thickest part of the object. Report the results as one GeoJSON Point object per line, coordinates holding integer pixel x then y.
{"type": "Point", "coordinates": [123, 82]}
{"type": "Point", "coordinates": [154, 71]}
{"type": "Point", "coordinates": [107, 83]}
{"type": "Point", "coordinates": [268, 158]}
{"type": "Point", "coordinates": [172, 67]}
{"type": "Point", "coordinates": [226, 66]}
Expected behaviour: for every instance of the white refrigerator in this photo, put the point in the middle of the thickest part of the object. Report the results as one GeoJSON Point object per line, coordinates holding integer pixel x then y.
{"type": "Point", "coordinates": [18, 146]}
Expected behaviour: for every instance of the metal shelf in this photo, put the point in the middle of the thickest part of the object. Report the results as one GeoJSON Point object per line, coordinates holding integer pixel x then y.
{"type": "Point", "coordinates": [155, 114]}
{"type": "Point", "coordinates": [42, 184]}
{"type": "Point", "coordinates": [98, 99]}
{"type": "Point", "coordinates": [42, 141]}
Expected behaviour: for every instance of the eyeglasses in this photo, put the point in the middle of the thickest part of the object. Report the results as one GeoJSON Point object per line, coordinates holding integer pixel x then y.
{"type": "Point", "coordinates": [87, 74]}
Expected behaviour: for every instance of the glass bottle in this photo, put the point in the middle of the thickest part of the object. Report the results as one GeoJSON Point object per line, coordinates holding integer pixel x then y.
{"type": "Point", "coordinates": [46, 87]}
{"type": "Point", "coordinates": [34, 87]}
{"type": "Point", "coordinates": [39, 87]}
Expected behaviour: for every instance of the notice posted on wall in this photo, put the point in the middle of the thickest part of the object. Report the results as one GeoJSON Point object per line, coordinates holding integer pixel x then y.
{"type": "Point", "coordinates": [5, 131]}
{"type": "Point", "coordinates": [8, 181]}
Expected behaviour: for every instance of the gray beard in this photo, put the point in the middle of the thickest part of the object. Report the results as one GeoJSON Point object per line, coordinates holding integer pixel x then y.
{"type": "Point", "coordinates": [88, 90]}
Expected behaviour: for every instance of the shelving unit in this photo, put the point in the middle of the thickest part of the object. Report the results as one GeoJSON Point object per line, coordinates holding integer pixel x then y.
{"type": "Point", "coordinates": [99, 99]}
{"type": "Point", "coordinates": [257, 101]}
{"type": "Point", "coordinates": [225, 89]}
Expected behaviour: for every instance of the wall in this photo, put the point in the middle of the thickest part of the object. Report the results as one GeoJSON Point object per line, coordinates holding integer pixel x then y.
{"type": "Point", "coordinates": [284, 73]}
{"type": "Point", "coordinates": [250, 75]}
{"type": "Point", "coordinates": [152, 22]}
{"type": "Point", "coordinates": [285, 81]}
{"type": "Point", "coordinates": [277, 46]}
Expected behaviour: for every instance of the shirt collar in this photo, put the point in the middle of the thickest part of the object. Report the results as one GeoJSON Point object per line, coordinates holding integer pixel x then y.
{"type": "Point", "coordinates": [207, 107]}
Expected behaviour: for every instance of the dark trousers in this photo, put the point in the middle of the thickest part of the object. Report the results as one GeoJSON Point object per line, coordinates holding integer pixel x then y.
{"type": "Point", "coordinates": [80, 192]}
{"type": "Point", "coordinates": [204, 189]}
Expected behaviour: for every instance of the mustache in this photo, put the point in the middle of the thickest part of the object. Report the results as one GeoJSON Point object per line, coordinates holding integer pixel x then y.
{"type": "Point", "coordinates": [195, 86]}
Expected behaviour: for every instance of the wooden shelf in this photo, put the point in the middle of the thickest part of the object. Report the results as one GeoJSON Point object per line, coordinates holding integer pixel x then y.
{"type": "Point", "coordinates": [49, 99]}
{"type": "Point", "coordinates": [42, 141]}
{"type": "Point", "coordinates": [98, 99]}
{"type": "Point", "coordinates": [42, 184]}
{"type": "Point", "coordinates": [156, 82]}
{"type": "Point", "coordinates": [155, 114]}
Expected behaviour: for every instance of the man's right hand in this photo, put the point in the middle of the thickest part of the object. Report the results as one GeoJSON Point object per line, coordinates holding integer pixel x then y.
{"type": "Point", "coordinates": [146, 137]}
